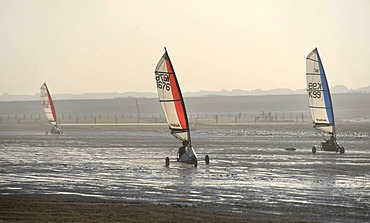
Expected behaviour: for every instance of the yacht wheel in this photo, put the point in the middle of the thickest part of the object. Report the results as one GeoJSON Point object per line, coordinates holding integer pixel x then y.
{"type": "Point", "coordinates": [313, 150]}
{"type": "Point", "coordinates": [194, 161]}
{"type": "Point", "coordinates": [207, 159]}
{"type": "Point", "coordinates": [341, 150]}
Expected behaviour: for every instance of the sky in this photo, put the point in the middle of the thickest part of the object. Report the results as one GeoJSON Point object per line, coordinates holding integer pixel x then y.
{"type": "Point", "coordinates": [113, 46]}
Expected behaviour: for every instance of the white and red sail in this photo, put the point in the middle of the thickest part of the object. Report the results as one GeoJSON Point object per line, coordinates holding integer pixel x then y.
{"type": "Point", "coordinates": [48, 105]}
{"type": "Point", "coordinates": [171, 100]}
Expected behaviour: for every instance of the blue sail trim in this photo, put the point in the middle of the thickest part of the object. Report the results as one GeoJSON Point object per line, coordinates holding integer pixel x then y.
{"type": "Point", "coordinates": [326, 93]}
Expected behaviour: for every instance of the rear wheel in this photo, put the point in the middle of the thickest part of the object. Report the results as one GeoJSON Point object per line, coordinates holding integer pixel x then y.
{"type": "Point", "coordinates": [167, 161]}
{"type": "Point", "coordinates": [313, 150]}
{"type": "Point", "coordinates": [341, 150]}
{"type": "Point", "coordinates": [207, 159]}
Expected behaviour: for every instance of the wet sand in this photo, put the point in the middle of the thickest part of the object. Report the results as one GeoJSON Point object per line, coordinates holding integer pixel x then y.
{"type": "Point", "coordinates": [113, 174]}
{"type": "Point", "coordinates": [47, 208]}
{"type": "Point", "coordinates": [65, 208]}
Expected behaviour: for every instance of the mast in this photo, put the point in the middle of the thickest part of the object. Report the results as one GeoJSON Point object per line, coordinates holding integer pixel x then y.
{"type": "Point", "coordinates": [52, 106]}
{"type": "Point", "coordinates": [138, 110]}
{"type": "Point", "coordinates": [327, 96]}
{"type": "Point", "coordinates": [181, 97]}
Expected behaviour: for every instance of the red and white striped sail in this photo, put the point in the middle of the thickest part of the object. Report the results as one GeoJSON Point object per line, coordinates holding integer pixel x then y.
{"type": "Point", "coordinates": [171, 99]}
{"type": "Point", "coordinates": [48, 105]}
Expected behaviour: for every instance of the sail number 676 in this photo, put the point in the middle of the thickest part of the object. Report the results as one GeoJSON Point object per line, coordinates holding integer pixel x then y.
{"type": "Point", "coordinates": [163, 81]}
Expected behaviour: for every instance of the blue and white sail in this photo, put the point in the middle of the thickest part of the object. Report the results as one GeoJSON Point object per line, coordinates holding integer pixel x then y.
{"type": "Point", "coordinates": [320, 103]}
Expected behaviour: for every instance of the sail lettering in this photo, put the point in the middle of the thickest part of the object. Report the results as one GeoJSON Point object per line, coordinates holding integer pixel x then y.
{"type": "Point", "coordinates": [163, 81]}
{"type": "Point", "coordinates": [314, 90]}
{"type": "Point", "coordinates": [45, 104]}
{"type": "Point", "coordinates": [175, 124]}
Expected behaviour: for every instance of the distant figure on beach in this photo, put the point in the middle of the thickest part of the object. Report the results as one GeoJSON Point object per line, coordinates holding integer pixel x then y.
{"type": "Point", "coordinates": [257, 119]}
{"type": "Point", "coordinates": [266, 117]}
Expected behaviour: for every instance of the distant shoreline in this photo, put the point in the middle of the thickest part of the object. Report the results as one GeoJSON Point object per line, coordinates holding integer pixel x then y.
{"type": "Point", "coordinates": [136, 95]}
{"type": "Point", "coordinates": [213, 110]}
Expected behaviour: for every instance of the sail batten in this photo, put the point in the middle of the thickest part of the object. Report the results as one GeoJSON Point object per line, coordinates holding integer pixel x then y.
{"type": "Point", "coordinates": [320, 103]}
{"type": "Point", "coordinates": [171, 99]}
{"type": "Point", "coordinates": [312, 59]}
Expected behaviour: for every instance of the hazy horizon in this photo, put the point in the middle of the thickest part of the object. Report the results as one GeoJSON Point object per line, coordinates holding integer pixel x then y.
{"type": "Point", "coordinates": [83, 47]}
{"type": "Point", "coordinates": [338, 89]}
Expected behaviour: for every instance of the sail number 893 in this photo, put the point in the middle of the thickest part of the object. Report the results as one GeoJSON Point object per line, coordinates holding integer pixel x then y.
{"type": "Point", "coordinates": [163, 81]}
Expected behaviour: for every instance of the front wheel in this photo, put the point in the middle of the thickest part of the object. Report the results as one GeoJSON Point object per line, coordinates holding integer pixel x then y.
{"type": "Point", "coordinates": [167, 161]}
{"type": "Point", "coordinates": [313, 150]}
{"type": "Point", "coordinates": [207, 159]}
{"type": "Point", "coordinates": [194, 161]}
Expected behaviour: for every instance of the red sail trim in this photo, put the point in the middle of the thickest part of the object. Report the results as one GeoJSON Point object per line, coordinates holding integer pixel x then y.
{"type": "Point", "coordinates": [176, 96]}
{"type": "Point", "coordinates": [51, 104]}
